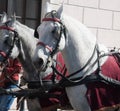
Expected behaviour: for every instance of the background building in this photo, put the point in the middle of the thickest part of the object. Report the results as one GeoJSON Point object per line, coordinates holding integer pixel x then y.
{"type": "Point", "coordinates": [29, 11]}
{"type": "Point", "coordinates": [101, 16]}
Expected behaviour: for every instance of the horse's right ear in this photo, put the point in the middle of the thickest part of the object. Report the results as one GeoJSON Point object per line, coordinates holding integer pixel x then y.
{"type": "Point", "coordinates": [59, 11]}
{"type": "Point", "coordinates": [13, 19]}
{"type": "Point", "coordinates": [3, 18]}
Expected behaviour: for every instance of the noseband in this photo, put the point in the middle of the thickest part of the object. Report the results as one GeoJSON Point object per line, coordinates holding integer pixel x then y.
{"type": "Point", "coordinates": [3, 54]}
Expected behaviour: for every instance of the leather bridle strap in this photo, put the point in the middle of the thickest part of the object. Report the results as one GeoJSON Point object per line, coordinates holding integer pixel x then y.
{"type": "Point", "coordinates": [52, 19]}
{"type": "Point", "coordinates": [7, 28]}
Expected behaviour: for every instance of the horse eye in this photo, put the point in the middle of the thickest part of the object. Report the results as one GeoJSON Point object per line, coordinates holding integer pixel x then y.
{"type": "Point", "coordinates": [6, 41]}
{"type": "Point", "coordinates": [53, 31]}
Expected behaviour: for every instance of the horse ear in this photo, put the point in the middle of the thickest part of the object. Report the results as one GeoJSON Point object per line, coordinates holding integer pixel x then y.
{"type": "Point", "coordinates": [48, 8]}
{"type": "Point", "coordinates": [4, 17]}
{"type": "Point", "coordinates": [45, 9]}
{"type": "Point", "coordinates": [13, 19]}
{"type": "Point", "coordinates": [59, 11]}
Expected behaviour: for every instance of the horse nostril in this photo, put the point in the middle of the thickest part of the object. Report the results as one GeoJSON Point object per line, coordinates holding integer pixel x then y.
{"type": "Point", "coordinates": [41, 61]}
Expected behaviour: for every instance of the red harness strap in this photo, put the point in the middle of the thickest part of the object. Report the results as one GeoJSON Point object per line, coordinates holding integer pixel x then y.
{"type": "Point", "coordinates": [7, 28]}
{"type": "Point", "coordinates": [51, 19]}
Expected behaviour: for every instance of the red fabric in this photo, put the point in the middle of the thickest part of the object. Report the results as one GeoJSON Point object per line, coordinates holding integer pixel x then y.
{"type": "Point", "coordinates": [60, 66]}
{"type": "Point", "coordinates": [61, 94]}
{"type": "Point", "coordinates": [11, 70]}
{"type": "Point", "coordinates": [101, 95]}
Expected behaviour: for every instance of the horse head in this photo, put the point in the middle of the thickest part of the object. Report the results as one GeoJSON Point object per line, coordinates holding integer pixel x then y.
{"type": "Point", "coordinates": [52, 36]}
{"type": "Point", "coordinates": [8, 38]}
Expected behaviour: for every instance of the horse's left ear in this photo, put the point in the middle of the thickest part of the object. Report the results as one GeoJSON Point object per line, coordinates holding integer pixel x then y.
{"type": "Point", "coordinates": [59, 11]}
{"type": "Point", "coordinates": [47, 7]}
{"type": "Point", "coordinates": [13, 19]}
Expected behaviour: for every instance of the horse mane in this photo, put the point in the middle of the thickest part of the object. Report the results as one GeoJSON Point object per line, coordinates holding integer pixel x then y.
{"type": "Point", "coordinates": [24, 26]}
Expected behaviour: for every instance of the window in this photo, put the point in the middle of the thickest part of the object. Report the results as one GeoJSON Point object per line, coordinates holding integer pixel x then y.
{"type": "Point", "coordinates": [28, 11]}
{"type": "Point", "coordinates": [3, 6]}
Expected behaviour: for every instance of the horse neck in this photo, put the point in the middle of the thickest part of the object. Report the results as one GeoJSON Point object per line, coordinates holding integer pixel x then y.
{"type": "Point", "coordinates": [27, 49]}
{"type": "Point", "coordinates": [80, 46]}
{"type": "Point", "coordinates": [26, 35]}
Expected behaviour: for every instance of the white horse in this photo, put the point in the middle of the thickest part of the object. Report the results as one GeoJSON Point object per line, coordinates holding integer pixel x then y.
{"type": "Point", "coordinates": [17, 41]}
{"type": "Point", "coordinates": [82, 55]}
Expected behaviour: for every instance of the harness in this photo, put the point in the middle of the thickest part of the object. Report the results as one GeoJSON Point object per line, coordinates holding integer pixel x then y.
{"type": "Point", "coordinates": [66, 81]}
{"type": "Point", "coordinates": [44, 86]}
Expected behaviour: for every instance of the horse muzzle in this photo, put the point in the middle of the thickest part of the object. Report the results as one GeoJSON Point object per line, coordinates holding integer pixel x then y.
{"type": "Point", "coordinates": [39, 61]}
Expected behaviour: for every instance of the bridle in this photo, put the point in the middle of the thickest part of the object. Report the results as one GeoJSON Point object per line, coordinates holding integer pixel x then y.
{"type": "Point", "coordinates": [62, 31]}
{"type": "Point", "coordinates": [3, 54]}
{"type": "Point", "coordinates": [55, 20]}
